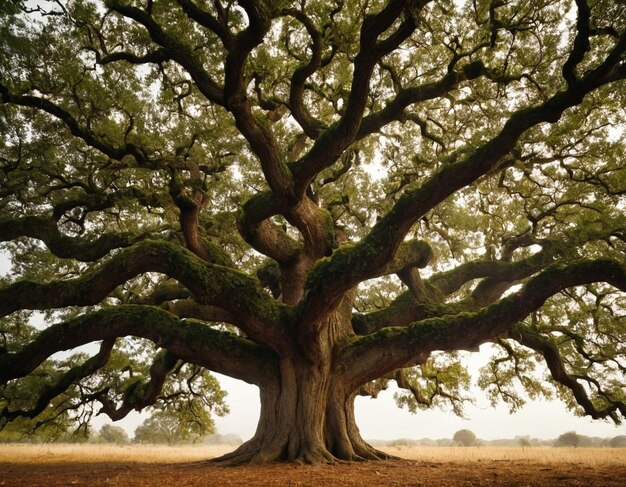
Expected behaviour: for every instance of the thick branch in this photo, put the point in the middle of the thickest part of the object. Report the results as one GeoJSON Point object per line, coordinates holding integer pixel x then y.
{"type": "Point", "coordinates": [497, 277]}
{"type": "Point", "coordinates": [394, 109]}
{"type": "Point", "coordinates": [581, 42]}
{"type": "Point", "coordinates": [334, 140]}
{"type": "Point", "coordinates": [176, 51]}
{"type": "Point", "coordinates": [192, 341]}
{"type": "Point", "coordinates": [405, 309]}
{"type": "Point", "coordinates": [403, 346]}
{"type": "Point", "coordinates": [188, 308]}
{"type": "Point", "coordinates": [312, 127]}
{"type": "Point", "coordinates": [72, 124]}
{"type": "Point", "coordinates": [189, 218]}
{"type": "Point", "coordinates": [372, 254]}
{"type": "Point", "coordinates": [140, 394]}
{"type": "Point", "coordinates": [263, 235]}
{"type": "Point", "coordinates": [207, 20]}
{"type": "Point", "coordinates": [258, 314]}
{"type": "Point", "coordinates": [46, 230]}
{"type": "Point", "coordinates": [411, 254]}
{"type": "Point", "coordinates": [258, 134]}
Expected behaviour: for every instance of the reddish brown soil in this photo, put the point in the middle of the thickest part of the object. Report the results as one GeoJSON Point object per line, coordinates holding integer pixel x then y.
{"type": "Point", "coordinates": [389, 473]}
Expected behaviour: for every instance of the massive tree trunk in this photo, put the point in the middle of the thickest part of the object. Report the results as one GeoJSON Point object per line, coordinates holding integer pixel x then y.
{"type": "Point", "coordinates": [307, 412]}
{"type": "Point", "coordinates": [306, 416]}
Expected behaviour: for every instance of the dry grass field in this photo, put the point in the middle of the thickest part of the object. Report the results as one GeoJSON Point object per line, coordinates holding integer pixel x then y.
{"type": "Point", "coordinates": [102, 465]}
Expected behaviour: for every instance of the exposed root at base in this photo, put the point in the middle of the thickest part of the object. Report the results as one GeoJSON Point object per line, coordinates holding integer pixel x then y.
{"type": "Point", "coordinates": [249, 455]}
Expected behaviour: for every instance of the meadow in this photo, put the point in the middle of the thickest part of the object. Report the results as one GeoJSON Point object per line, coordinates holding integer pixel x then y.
{"type": "Point", "coordinates": [147, 465]}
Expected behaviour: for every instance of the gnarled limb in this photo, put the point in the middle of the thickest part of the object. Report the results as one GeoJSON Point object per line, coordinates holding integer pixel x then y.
{"type": "Point", "coordinates": [405, 345]}
{"type": "Point", "coordinates": [531, 339]}
{"type": "Point", "coordinates": [214, 24]}
{"type": "Point", "coordinates": [211, 284]}
{"type": "Point", "coordinates": [173, 49]}
{"type": "Point", "coordinates": [497, 277]}
{"type": "Point", "coordinates": [311, 127]}
{"type": "Point", "coordinates": [381, 244]}
{"type": "Point", "coordinates": [192, 341]}
{"type": "Point", "coordinates": [140, 394]}
{"type": "Point", "coordinates": [188, 308]}
{"type": "Point", "coordinates": [263, 235]}
{"type": "Point", "coordinates": [46, 230]}
{"type": "Point", "coordinates": [72, 124]}
{"type": "Point", "coordinates": [581, 42]}
{"type": "Point", "coordinates": [331, 143]}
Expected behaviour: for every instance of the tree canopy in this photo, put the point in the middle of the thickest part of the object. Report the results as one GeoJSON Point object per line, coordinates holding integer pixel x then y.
{"type": "Point", "coordinates": [464, 437]}
{"type": "Point", "coordinates": [113, 434]}
{"type": "Point", "coordinates": [313, 197]}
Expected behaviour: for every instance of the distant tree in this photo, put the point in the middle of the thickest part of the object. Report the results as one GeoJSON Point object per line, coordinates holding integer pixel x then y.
{"type": "Point", "coordinates": [618, 442]}
{"type": "Point", "coordinates": [157, 429]}
{"type": "Point", "coordinates": [571, 438]}
{"type": "Point", "coordinates": [113, 434]}
{"type": "Point", "coordinates": [178, 418]}
{"type": "Point", "coordinates": [524, 441]}
{"type": "Point", "coordinates": [162, 427]}
{"type": "Point", "coordinates": [465, 437]}
{"type": "Point", "coordinates": [217, 439]}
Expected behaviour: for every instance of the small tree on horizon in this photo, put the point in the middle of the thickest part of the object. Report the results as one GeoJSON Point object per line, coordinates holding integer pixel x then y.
{"type": "Point", "coordinates": [163, 427]}
{"type": "Point", "coordinates": [571, 438]}
{"type": "Point", "coordinates": [113, 434]}
{"type": "Point", "coordinates": [465, 437]}
{"type": "Point", "coordinates": [618, 441]}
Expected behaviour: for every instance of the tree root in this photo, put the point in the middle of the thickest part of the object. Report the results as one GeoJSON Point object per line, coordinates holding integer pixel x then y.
{"type": "Point", "coordinates": [252, 453]}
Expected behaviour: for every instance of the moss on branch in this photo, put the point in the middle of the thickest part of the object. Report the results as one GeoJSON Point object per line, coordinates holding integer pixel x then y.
{"type": "Point", "coordinates": [238, 293]}
{"type": "Point", "coordinates": [46, 230]}
{"type": "Point", "coordinates": [394, 347]}
{"type": "Point", "coordinates": [191, 340]}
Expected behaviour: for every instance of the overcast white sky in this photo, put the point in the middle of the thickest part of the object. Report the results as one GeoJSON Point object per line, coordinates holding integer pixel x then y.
{"type": "Point", "coordinates": [381, 419]}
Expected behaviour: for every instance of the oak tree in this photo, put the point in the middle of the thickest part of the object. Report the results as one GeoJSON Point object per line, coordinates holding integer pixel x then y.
{"type": "Point", "coordinates": [113, 435]}
{"type": "Point", "coordinates": [315, 197]}
{"type": "Point", "coordinates": [464, 437]}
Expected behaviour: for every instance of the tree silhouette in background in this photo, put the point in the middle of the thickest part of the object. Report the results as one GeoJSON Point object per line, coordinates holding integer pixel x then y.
{"type": "Point", "coordinates": [571, 438]}
{"type": "Point", "coordinates": [113, 434]}
{"type": "Point", "coordinates": [465, 437]}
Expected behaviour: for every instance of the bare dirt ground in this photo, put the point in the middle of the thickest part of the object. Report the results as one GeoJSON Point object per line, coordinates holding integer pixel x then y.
{"type": "Point", "coordinates": [71, 465]}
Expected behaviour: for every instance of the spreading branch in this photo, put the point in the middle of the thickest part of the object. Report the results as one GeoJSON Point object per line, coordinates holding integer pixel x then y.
{"type": "Point", "coordinates": [210, 284]}
{"type": "Point", "coordinates": [466, 331]}
{"type": "Point", "coordinates": [192, 341]}
{"type": "Point", "coordinates": [529, 338]}
{"type": "Point", "coordinates": [71, 377]}
{"type": "Point", "coordinates": [380, 245]}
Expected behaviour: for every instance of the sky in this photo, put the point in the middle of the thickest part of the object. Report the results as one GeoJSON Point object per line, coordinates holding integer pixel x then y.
{"type": "Point", "coordinates": [381, 419]}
